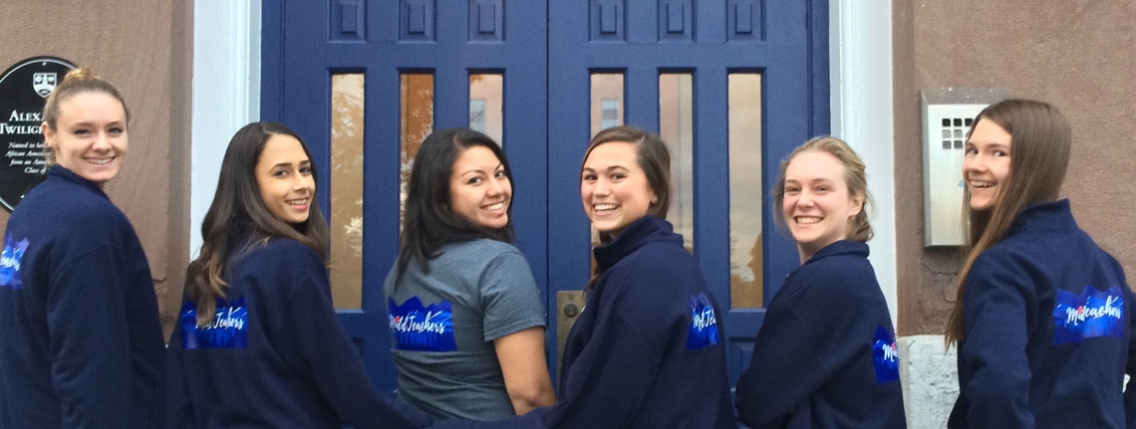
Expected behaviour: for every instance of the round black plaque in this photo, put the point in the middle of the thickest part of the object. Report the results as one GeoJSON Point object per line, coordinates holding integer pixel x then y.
{"type": "Point", "coordinates": [24, 88]}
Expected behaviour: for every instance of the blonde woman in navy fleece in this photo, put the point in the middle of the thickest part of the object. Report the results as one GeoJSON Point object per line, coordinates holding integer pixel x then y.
{"type": "Point", "coordinates": [80, 338]}
{"type": "Point", "coordinates": [825, 356]}
{"type": "Point", "coordinates": [257, 342]}
{"type": "Point", "coordinates": [1043, 320]}
{"type": "Point", "coordinates": [647, 351]}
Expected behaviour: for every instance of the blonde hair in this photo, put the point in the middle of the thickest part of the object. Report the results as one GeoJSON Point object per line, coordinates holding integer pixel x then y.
{"type": "Point", "coordinates": [76, 81]}
{"type": "Point", "coordinates": [854, 177]}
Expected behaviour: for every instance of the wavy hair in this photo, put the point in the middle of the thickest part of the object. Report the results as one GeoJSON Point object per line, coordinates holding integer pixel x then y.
{"type": "Point", "coordinates": [238, 211]}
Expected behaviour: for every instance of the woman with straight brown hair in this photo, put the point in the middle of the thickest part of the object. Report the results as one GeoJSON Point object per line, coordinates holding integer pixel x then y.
{"type": "Point", "coordinates": [1043, 317]}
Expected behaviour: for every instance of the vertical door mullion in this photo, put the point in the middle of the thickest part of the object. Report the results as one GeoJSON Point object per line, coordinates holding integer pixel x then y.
{"type": "Point", "coordinates": [382, 150]}
{"type": "Point", "coordinates": [711, 180]}
{"type": "Point", "coordinates": [451, 97]}
{"type": "Point", "coordinates": [641, 90]}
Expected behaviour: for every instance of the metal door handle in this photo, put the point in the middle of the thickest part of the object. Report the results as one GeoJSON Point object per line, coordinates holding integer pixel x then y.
{"type": "Point", "coordinates": [571, 310]}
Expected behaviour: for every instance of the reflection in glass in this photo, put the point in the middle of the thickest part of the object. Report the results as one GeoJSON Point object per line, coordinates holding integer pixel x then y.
{"type": "Point", "coordinates": [607, 101]}
{"type": "Point", "coordinates": [746, 191]}
{"type": "Point", "coordinates": [676, 127]}
{"type": "Point", "coordinates": [346, 180]}
{"type": "Point", "coordinates": [416, 105]}
{"type": "Point", "coordinates": [486, 92]}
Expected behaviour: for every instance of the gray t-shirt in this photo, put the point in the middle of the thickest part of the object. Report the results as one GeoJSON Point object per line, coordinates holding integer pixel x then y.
{"type": "Point", "coordinates": [443, 325]}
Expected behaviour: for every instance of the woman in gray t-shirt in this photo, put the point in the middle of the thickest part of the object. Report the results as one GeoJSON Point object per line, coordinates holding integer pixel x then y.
{"type": "Point", "coordinates": [466, 320]}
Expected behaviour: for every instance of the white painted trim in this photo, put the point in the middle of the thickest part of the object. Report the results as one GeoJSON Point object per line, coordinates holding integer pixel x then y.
{"type": "Point", "coordinates": [226, 92]}
{"type": "Point", "coordinates": [860, 50]}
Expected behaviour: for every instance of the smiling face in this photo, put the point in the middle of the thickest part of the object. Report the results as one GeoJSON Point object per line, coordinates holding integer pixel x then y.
{"type": "Point", "coordinates": [817, 207]}
{"type": "Point", "coordinates": [986, 167]}
{"type": "Point", "coordinates": [284, 177]}
{"type": "Point", "coordinates": [90, 137]}
{"type": "Point", "coordinates": [480, 191]}
{"type": "Point", "coordinates": [614, 188]}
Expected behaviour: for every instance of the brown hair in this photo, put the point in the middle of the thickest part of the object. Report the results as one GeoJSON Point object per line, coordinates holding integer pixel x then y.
{"type": "Point", "coordinates": [428, 222]}
{"type": "Point", "coordinates": [1040, 142]}
{"type": "Point", "coordinates": [654, 159]}
{"type": "Point", "coordinates": [238, 210]}
{"type": "Point", "coordinates": [76, 81]}
{"type": "Point", "coordinates": [854, 178]}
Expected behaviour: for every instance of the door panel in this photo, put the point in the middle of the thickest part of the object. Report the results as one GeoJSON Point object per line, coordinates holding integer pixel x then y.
{"type": "Point", "coordinates": [546, 54]}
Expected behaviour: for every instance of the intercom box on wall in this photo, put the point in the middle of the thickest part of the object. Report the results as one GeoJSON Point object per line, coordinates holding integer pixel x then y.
{"type": "Point", "coordinates": [948, 114]}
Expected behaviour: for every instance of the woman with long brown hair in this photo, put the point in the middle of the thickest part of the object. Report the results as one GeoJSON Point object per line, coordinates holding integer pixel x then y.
{"type": "Point", "coordinates": [257, 342]}
{"type": "Point", "coordinates": [1043, 317]}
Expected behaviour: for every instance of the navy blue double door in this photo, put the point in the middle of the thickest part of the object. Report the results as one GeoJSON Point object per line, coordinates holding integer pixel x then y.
{"type": "Point", "coordinates": [548, 55]}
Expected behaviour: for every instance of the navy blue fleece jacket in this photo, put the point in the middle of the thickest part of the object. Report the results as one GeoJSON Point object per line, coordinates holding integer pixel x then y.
{"type": "Point", "coordinates": [274, 354]}
{"type": "Point", "coordinates": [825, 356]}
{"type": "Point", "coordinates": [647, 351]}
{"type": "Point", "coordinates": [80, 338]}
{"type": "Point", "coordinates": [1048, 323]}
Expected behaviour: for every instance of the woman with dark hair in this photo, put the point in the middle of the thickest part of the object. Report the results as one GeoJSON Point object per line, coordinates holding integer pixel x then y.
{"type": "Point", "coordinates": [1043, 318]}
{"type": "Point", "coordinates": [466, 317]}
{"type": "Point", "coordinates": [647, 350]}
{"type": "Point", "coordinates": [80, 338]}
{"type": "Point", "coordinates": [257, 342]}
{"type": "Point", "coordinates": [825, 356]}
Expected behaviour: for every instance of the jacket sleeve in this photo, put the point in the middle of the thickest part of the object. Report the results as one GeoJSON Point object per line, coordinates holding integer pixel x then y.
{"type": "Point", "coordinates": [321, 347]}
{"type": "Point", "coordinates": [89, 340]}
{"type": "Point", "coordinates": [604, 388]}
{"type": "Point", "coordinates": [995, 316]}
{"type": "Point", "coordinates": [808, 334]}
{"type": "Point", "coordinates": [1130, 367]}
{"type": "Point", "coordinates": [178, 409]}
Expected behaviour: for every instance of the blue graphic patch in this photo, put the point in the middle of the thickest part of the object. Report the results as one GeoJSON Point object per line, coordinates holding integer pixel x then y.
{"type": "Point", "coordinates": [1095, 313]}
{"type": "Point", "coordinates": [227, 330]}
{"type": "Point", "coordinates": [885, 357]}
{"type": "Point", "coordinates": [10, 261]}
{"type": "Point", "coordinates": [703, 323]}
{"type": "Point", "coordinates": [420, 328]}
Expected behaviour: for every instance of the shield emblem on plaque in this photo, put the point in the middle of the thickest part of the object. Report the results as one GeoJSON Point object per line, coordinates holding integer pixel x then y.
{"type": "Point", "coordinates": [43, 83]}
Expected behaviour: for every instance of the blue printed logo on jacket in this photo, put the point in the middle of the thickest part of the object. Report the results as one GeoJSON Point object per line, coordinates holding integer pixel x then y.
{"type": "Point", "coordinates": [885, 357]}
{"type": "Point", "coordinates": [1095, 313]}
{"type": "Point", "coordinates": [10, 261]}
{"type": "Point", "coordinates": [703, 323]}
{"type": "Point", "coordinates": [422, 328]}
{"type": "Point", "coordinates": [227, 330]}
